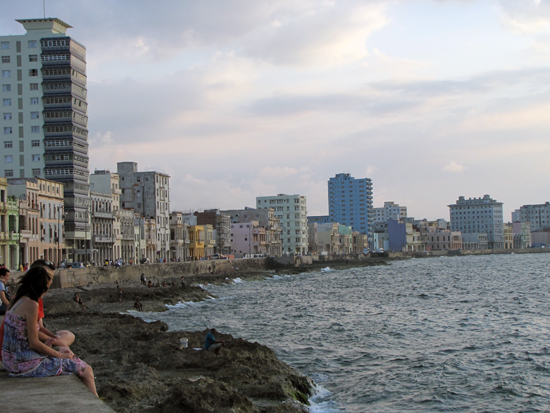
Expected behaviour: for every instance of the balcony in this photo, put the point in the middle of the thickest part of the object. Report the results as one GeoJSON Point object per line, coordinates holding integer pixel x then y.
{"type": "Point", "coordinates": [103, 239]}
{"type": "Point", "coordinates": [103, 214]}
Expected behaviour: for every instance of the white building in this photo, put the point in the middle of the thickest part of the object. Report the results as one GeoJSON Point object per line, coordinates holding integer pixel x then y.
{"type": "Point", "coordinates": [44, 116]}
{"type": "Point", "coordinates": [292, 213]}
{"type": "Point", "coordinates": [479, 216]}
{"type": "Point", "coordinates": [390, 210]}
{"type": "Point", "coordinates": [537, 215]}
{"type": "Point", "coordinates": [148, 194]}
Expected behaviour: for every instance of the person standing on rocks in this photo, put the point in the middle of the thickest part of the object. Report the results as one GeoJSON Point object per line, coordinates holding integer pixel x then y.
{"type": "Point", "coordinates": [120, 291]}
{"type": "Point", "coordinates": [182, 283]}
{"type": "Point", "coordinates": [211, 344]}
{"type": "Point", "coordinates": [143, 280]}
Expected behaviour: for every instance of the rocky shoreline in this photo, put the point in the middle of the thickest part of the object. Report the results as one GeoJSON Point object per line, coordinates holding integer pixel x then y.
{"type": "Point", "coordinates": [139, 366]}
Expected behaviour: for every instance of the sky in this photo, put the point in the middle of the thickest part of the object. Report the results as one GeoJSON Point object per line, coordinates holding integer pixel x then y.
{"type": "Point", "coordinates": [431, 99]}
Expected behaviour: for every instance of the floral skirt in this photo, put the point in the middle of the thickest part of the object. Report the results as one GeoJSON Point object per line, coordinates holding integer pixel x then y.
{"type": "Point", "coordinates": [44, 367]}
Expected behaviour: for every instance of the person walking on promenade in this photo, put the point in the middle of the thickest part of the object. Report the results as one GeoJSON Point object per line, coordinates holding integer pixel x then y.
{"type": "Point", "coordinates": [23, 354]}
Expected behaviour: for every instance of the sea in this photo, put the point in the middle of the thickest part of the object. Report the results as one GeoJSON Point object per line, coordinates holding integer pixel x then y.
{"type": "Point", "coordinates": [447, 334]}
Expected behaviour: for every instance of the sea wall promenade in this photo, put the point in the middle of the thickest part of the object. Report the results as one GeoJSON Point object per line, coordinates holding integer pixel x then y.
{"type": "Point", "coordinates": [159, 271]}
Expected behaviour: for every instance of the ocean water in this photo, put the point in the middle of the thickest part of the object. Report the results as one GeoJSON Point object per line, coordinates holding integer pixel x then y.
{"type": "Point", "coordinates": [449, 334]}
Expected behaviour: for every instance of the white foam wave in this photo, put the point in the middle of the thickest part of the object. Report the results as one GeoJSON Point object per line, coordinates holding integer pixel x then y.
{"type": "Point", "coordinates": [237, 280]}
{"type": "Point", "coordinates": [319, 403]}
{"type": "Point", "coordinates": [326, 269]}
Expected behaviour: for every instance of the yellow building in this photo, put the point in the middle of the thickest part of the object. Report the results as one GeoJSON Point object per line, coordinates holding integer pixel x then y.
{"type": "Point", "coordinates": [196, 242]}
{"type": "Point", "coordinates": [508, 237]}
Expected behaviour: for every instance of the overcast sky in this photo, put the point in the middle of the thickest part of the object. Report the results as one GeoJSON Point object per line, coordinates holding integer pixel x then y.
{"type": "Point", "coordinates": [431, 99]}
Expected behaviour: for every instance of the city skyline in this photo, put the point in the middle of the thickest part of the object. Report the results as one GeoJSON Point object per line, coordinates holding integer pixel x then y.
{"type": "Point", "coordinates": [430, 99]}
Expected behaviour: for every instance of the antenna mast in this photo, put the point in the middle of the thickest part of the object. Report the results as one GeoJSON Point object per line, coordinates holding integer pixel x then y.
{"type": "Point", "coordinates": [44, 4]}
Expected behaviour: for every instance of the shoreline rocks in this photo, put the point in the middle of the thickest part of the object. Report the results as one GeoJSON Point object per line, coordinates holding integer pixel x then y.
{"type": "Point", "coordinates": [139, 366]}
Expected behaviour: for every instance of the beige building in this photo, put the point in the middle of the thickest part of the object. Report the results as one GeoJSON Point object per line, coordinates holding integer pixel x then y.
{"type": "Point", "coordinates": [41, 219]}
{"type": "Point", "coordinates": [179, 237]}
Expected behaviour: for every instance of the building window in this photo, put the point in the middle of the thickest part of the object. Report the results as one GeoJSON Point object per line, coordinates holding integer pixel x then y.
{"type": "Point", "coordinates": [33, 58]}
{"type": "Point", "coordinates": [34, 86]}
{"type": "Point", "coordinates": [6, 73]}
{"type": "Point", "coordinates": [8, 130]}
{"type": "Point", "coordinates": [36, 172]}
{"type": "Point", "coordinates": [35, 115]}
{"type": "Point", "coordinates": [33, 44]}
{"type": "Point", "coordinates": [6, 102]}
{"type": "Point", "coordinates": [35, 143]}
{"type": "Point", "coordinates": [35, 129]}
{"type": "Point", "coordinates": [8, 144]}
{"type": "Point", "coordinates": [6, 88]}
{"type": "Point", "coordinates": [8, 158]}
{"type": "Point", "coordinates": [5, 59]}
{"type": "Point", "coordinates": [8, 173]}
{"type": "Point", "coordinates": [34, 101]}
{"type": "Point", "coordinates": [33, 72]}
{"type": "Point", "coordinates": [5, 45]}
{"type": "Point", "coordinates": [35, 158]}
{"type": "Point", "coordinates": [7, 116]}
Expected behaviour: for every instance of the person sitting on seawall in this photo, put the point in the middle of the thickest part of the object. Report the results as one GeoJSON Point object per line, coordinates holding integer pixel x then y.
{"type": "Point", "coordinates": [211, 344]}
{"type": "Point", "coordinates": [63, 338]}
{"type": "Point", "coordinates": [4, 292]}
{"type": "Point", "coordinates": [23, 354]}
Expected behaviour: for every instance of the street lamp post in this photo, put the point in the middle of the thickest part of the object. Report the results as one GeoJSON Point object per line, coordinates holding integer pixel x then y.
{"type": "Point", "coordinates": [22, 198]}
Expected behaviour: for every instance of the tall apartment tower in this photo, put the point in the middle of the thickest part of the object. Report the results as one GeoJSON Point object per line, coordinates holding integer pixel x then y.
{"type": "Point", "coordinates": [350, 202]}
{"type": "Point", "coordinates": [538, 215]}
{"type": "Point", "coordinates": [44, 123]}
{"type": "Point", "coordinates": [148, 193]}
{"type": "Point", "coordinates": [292, 213]}
{"type": "Point", "coordinates": [479, 216]}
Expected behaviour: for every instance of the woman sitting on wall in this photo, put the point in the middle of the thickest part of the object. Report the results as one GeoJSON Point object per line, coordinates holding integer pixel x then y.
{"type": "Point", "coordinates": [23, 354]}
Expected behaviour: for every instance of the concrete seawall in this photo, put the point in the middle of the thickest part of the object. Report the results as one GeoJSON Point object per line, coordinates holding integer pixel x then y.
{"type": "Point", "coordinates": [80, 277]}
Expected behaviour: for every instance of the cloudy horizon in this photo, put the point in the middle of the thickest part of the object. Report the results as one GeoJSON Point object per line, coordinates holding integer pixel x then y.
{"type": "Point", "coordinates": [431, 99]}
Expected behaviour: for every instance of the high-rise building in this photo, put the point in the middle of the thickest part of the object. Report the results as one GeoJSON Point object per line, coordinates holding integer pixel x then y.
{"type": "Point", "coordinates": [148, 193]}
{"type": "Point", "coordinates": [390, 210]}
{"type": "Point", "coordinates": [292, 213]}
{"type": "Point", "coordinates": [350, 202]}
{"type": "Point", "coordinates": [44, 122]}
{"type": "Point", "coordinates": [538, 215]}
{"type": "Point", "coordinates": [479, 216]}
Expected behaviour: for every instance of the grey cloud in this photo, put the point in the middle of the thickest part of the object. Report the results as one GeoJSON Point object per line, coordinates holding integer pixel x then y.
{"type": "Point", "coordinates": [293, 105]}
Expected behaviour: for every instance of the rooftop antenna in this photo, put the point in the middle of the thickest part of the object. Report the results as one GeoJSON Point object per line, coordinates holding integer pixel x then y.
{"type": "Point", "coordinates": [44, 4]}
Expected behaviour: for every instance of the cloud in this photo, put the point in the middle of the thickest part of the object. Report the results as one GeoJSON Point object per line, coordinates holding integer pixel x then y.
{"type": "Point", "coordinates": [453, 167]}
{"type": "Point", "coordinates": [528, 17]}
{"type": "Point", "coordinates": [325, 35]}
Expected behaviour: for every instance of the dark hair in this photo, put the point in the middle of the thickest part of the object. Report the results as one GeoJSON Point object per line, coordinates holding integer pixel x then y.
{"type": "Point", "coordinates": [33, 284]}
{"type": "Point", "coordinates": [43, 263]}
{"type": "Point", "coordinates": [4, 271]}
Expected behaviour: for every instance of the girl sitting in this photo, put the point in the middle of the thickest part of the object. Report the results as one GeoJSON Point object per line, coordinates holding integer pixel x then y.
{"type": "Point", "coordinates": [23, 354]}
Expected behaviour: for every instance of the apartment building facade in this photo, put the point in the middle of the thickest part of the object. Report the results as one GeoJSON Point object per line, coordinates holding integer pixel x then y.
{"type": "Point", "coordinates": [148, 194]}
{"type": "Point", "coordinates": [44, 115]}
{"type": "Point", "coordinates": [479, 216]}
{"type": "Point", "coordinates": [267, 219]}
{"type": "Point", "coordinates": [538, 215]}
{"type": "Point", "coordinates": [350, 202]}
{"type": "Point", "coordinates": [291, 210]}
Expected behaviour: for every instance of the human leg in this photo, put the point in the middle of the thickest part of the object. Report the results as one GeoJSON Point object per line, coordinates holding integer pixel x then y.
{"type": "Point", "coordinates": [66, 338]}
{"type": "Point", "coordinates": [88, 379]}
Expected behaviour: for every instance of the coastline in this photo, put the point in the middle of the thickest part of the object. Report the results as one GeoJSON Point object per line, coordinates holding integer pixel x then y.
{"type": "Point", "coordinates": [139, 366]}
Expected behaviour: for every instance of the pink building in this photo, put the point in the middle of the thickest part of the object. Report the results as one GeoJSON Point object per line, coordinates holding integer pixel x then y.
{"type": "Point", "coordinates": [248, 238]}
